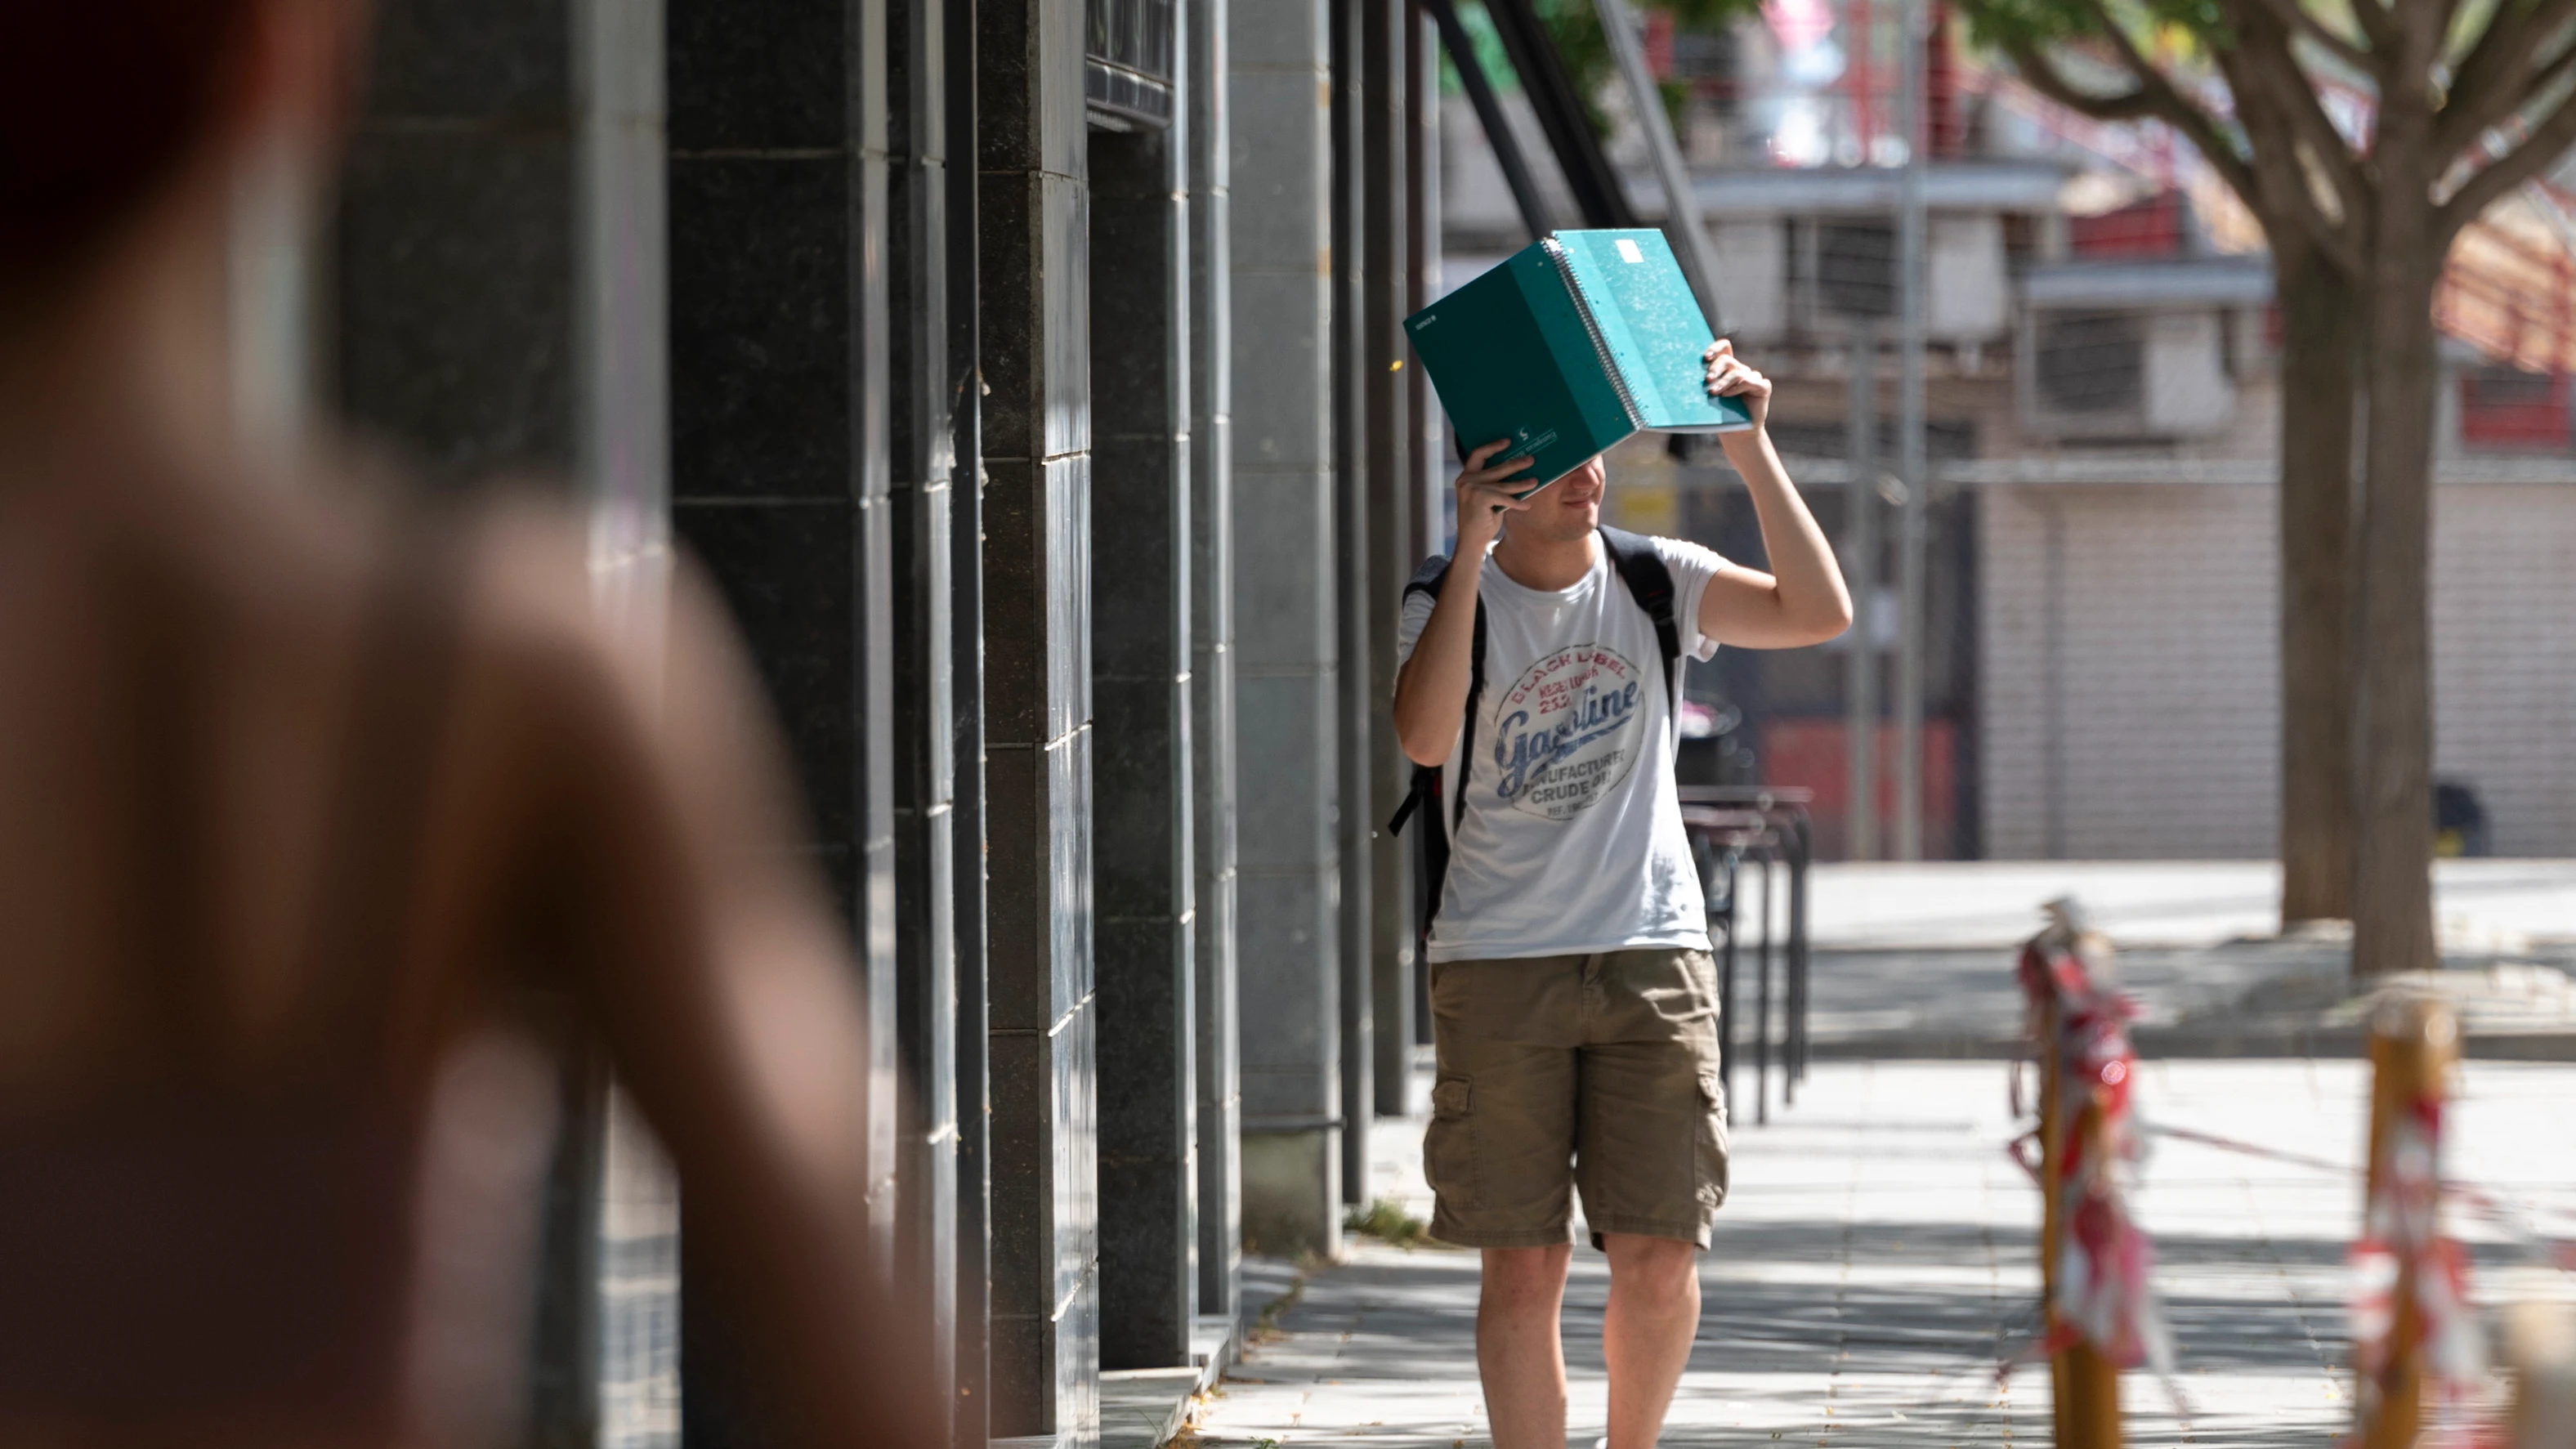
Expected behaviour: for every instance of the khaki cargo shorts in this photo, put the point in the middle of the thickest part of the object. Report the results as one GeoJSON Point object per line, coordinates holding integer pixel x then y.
{"type": "Point", "coordinates": [1592, 1072]}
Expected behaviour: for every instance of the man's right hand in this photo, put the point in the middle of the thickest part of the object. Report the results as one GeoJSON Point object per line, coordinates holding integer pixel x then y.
{"type": "Point", "coordinates": [1485, 495]}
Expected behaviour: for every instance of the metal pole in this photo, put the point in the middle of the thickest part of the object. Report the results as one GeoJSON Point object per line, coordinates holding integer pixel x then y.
{"type": "Point", "coordinates": [1726, 987]}
{"type": "Point", "coordinates": [1860, 567]}
{"type": "Point", "coordinates": [1788, 984]}
{"type": "Point", "coordinates": [1802, 847]}
{"type": "Point", "coordinates": [1912, 626]}
{"type": "Point", "coordinates": [1762, 1003]}
{"type": "Point", "coordinates": [1682, 221]}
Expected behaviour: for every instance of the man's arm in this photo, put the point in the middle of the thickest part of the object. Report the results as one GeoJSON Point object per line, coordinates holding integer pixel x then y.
{"type": "Point", "coordinates": [1431, 689]}
{"type": "Point", "coordinates": [1802, 600]}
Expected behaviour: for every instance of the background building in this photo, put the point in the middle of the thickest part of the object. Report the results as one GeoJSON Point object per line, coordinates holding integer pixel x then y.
{"type": "Point", "coordinates": [2102, 670]}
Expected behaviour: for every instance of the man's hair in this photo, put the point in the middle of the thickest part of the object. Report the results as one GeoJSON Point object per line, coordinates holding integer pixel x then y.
{"type": "Point", "coordinates": [100, 103]}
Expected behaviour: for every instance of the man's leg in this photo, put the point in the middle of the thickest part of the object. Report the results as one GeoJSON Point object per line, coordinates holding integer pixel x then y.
{"type": "Point", "coordinates": [1519, 1353]}
{"type": "Point", "coordinates": [1499, 1155]}
{"type": "Point", "coordinates": [1646, 1333]}
{"type": "Point", "coordinates": [1650, 1158]}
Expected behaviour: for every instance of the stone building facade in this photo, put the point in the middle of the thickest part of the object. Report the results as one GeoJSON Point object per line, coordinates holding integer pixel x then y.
{"type": "Point", "coordinates": [993, 357]}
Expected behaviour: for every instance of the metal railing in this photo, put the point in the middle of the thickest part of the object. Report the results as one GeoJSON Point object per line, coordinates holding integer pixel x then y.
{"type": "Point", "coordinates": [1765, 827]}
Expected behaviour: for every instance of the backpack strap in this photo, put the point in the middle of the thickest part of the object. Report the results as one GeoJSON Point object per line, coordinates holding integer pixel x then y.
{"type": "Point", "coordinates": [1427, 580]}
{"type": "Point", "coordinates": [1651, 585]}
{"type": "Point", "coordinates": [1432, 854]}
{"type": "Point", "coordinates": [1467, 728]}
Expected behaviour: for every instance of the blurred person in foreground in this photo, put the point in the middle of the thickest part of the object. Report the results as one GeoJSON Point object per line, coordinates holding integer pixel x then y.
{"type": "Point", "coordinates": [312, 804]}
{"type": "Point", "coordinates": [1573, 1000]}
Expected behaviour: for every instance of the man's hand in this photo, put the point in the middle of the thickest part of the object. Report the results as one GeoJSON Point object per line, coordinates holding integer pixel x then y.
{"type": "Point", "coordinates": [1485, 495]}
{"type": "Point", "coordinates": [1729, 377]}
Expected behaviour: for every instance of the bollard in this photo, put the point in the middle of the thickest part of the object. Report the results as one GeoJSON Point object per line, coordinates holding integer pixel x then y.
{"type": "Point", "coordinates": [2412, 1046]}
{"type": "Point", "coordinates": [2096, 1263]}
{"type": "Point", "coordinates": [2084, 1386]}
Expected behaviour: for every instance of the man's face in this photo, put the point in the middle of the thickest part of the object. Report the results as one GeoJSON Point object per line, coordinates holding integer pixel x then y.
{"type": "Point", "coordinates": [1567, 510]}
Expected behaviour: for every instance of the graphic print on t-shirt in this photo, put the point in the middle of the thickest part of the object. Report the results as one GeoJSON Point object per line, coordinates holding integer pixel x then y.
{"type": "Point", "coordinates": [1567, 731]}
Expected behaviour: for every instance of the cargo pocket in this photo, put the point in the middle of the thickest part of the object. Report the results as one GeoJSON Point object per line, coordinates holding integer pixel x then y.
{"type": "Point", "coordinates": [1711, 1153]}
{"type": "Point", "coordinates": [1448, 1144]}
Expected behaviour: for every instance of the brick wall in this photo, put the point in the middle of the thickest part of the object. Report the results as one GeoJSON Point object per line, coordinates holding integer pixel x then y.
{"type": "Point", "coordinates": [2166, 692]}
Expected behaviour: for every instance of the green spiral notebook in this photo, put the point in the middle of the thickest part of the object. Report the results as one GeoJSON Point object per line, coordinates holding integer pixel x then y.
{"type": "Point", "coordinates": [1579, 340]}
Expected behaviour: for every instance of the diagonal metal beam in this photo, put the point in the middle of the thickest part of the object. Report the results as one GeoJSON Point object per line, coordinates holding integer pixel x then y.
{"type": "Point", "coordinates": [1561, 115]}
{"type": "Point", "coordinates": [1489, 114]}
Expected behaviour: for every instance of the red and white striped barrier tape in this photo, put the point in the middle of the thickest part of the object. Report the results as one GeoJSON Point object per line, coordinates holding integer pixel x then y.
{"type": "Point", "coordinates": [2102, 1290]}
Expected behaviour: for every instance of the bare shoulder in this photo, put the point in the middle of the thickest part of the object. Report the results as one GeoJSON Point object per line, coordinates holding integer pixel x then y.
{"type": "Point", "coordinates": [541, 650]}
{"type": "Point", "coordinates": [616, 654]}
{"type": "Point", "coordinates": [636, 617]}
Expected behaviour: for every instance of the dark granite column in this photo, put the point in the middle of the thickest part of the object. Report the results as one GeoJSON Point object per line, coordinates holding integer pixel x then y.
{"type": "Point", "coordinates": [1140, 681]}
{"type": "Point", "coordinates": [499, 277]}
{"type": "Point", "coordinates": [1220, 1093]}
{"type": "Point", "coordinates": [1392, 550]}
{"type": "Point", "coordinates": [780, 452]}
{"type": "Point", "coordinates": [1425, 437]}
{"type": "Point", "coordinates": [971, 1427]}
{"type": "Point", "coordinates": [457, 233]}
{"type": "Point", "coordinates": [1355, 707]}
{"type": "Point", "coordinates": [923, 388]}
{"type": "Point", "coordinates": [1035, 356]}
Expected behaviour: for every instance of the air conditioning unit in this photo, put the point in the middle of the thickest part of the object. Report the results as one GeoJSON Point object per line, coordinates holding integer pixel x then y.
{"type": "Point", "coordinates": [2124, 373]}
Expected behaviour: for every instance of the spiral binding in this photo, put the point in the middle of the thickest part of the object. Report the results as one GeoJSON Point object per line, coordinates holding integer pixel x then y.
{"type": "Point", "coordinates": [1600, 345]}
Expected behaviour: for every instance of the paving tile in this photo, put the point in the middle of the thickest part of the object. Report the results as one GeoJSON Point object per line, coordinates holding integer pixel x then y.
{"type": "Point", "coordinates": [1877, 1261]}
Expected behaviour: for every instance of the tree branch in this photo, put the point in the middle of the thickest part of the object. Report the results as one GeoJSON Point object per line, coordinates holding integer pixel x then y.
{"type": "Point", "coordinates": [2502, 71]}
{"type": "Point", "coordinates": [2044, 77]}
{"type": "Point", "coordinates": [2442, 29]}
{"type": "Point", "coordinates": [2172, 107]}
{"type": "Point", "coordinates": [2288, 196]}
{"type": "Point", "coordinates": [2296, 18]}
{"type": "Point", "coordinates": [2376, 27]}
{"type": "Point", "coordinates": [2261, 69]}
{"type": "Point", "coordinates": [2544, 144]}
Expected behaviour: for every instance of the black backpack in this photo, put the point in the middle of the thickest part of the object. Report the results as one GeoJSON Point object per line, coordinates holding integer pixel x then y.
{"type": "Point", "coordinates": [1634, 558]}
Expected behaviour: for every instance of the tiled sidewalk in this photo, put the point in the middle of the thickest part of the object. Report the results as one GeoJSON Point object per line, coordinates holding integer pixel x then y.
{"type": "Point", "coordinates": [1877, 1260]}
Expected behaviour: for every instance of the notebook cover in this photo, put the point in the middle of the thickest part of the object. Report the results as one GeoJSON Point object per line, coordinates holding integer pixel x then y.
{"type": "Point", "coordinates": [1652, 326]}
{"type": "Point", "coordinates": [1510, 356]}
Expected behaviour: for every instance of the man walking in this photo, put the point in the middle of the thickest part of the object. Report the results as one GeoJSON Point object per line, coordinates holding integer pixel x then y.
{"type": "Point", "coordinates": [1573, 998]}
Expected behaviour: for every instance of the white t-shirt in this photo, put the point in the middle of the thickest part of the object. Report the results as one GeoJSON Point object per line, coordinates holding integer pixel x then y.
{"type": "Point", "coordinates": [1572, 840]}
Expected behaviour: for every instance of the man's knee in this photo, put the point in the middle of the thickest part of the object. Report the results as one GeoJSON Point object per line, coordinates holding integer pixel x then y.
{"type": "Point", "coordinates": [1525, 1278]}
{"type": "Point", "coordinates": [1658, 1271]}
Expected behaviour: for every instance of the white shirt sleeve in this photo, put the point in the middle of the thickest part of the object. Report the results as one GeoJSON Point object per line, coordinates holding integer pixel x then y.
{"type": "Point", "coordinates": [1408, 630]}
{"type": "Point", "coordinates": [1692, 567]}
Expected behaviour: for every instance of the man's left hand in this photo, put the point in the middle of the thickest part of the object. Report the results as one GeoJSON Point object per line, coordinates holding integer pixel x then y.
{"type": "Point", "coordinates": [1728, 376]}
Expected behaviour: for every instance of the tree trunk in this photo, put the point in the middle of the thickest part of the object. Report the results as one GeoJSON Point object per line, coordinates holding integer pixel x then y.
{"type": "Point", "coordinates": [2322, 320]}
{"type": "Point", "coordinates": [2393, 725]}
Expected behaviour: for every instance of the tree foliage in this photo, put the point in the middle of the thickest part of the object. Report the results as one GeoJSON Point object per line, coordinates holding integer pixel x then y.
{"type": "Point", "coordinates": [2496, 80]}
{"type": "Point", "coordinates": [1575, 27]}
